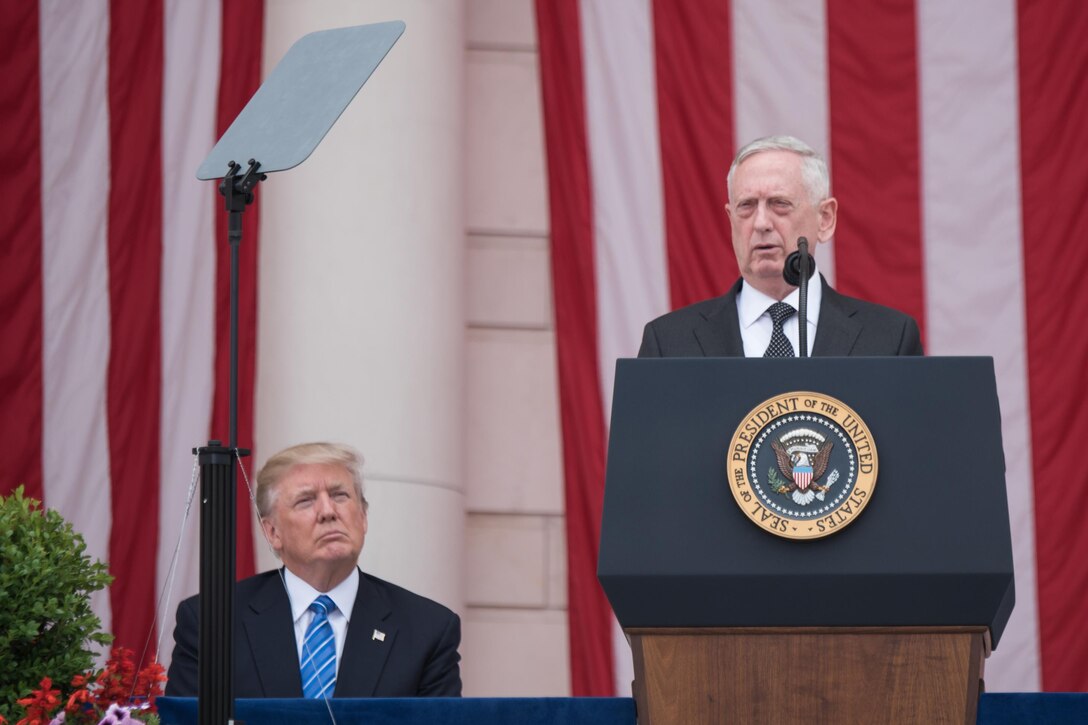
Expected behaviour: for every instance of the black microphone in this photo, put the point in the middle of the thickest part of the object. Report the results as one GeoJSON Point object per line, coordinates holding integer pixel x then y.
{"type": "Point", "coordinates": [791, 272]}
{"type": "Point", "coordinates": [798, 268]}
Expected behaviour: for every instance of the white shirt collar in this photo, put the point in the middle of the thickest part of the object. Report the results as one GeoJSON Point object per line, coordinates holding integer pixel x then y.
{"type": "Point", "coordinates": [302, 595]}
{"type": "Point", "coordinates": [752, 304]}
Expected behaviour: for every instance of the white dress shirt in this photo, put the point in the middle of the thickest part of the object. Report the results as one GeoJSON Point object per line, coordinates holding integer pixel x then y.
{"type": "Point", "coordinates": [302, 595]}
{"type": "Point", "coordinates": [755, 323]}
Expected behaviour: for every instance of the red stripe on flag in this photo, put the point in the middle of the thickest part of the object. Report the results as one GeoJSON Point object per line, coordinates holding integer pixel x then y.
{"type": "Point", "coordinates": [875, 156]}
{"type": "Point", "coordinates": [240, 76]}
{"type": "Point", "coordinates": [20, 252]}
{"type": "Point", "coordinates": [693, 49]}
{"type": "Point", "coordinates": [573, 280]}
{"type": "Point", "coordinates": [1054, 159]}
{"type": "Point", "coordinates": [135, 261]}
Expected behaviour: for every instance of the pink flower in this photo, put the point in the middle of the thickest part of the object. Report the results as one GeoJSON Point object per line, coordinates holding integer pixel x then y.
{"type": "Point", "coordinates": [117, 715]}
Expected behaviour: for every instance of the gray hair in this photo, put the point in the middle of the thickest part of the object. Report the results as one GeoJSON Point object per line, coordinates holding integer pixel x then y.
{"type": "Point", "coordinates": [306, 453]}
{"type": "Point", "coordinates": [814, 173]}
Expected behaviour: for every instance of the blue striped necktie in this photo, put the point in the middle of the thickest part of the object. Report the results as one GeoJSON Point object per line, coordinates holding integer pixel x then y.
{"type": "Point", "coordinates": [319, 652]}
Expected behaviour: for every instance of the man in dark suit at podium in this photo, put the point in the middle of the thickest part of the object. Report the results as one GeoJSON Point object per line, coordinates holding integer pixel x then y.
{"type": "Point", "coordinates": [779, 190]}
{"type": "Point", "coordinates": [320, 627]}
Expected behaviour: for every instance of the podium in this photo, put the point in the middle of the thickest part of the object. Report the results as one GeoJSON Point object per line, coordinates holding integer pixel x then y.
{"type": "Point", "coordinates": [887, 619]}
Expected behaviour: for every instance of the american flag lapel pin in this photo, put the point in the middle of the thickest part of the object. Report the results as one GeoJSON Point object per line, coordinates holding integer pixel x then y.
{"type": "Point", "coordinates": [378, 635]}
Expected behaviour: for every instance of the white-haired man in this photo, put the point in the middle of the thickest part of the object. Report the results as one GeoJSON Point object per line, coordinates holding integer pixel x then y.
{"type": "Point", "coordinates": [320, 627]}
{"type": "Point", "coordinates": [779, 190]}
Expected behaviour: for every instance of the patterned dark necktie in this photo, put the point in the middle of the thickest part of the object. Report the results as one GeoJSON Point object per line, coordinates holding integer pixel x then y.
{"type": "Point", "coordinates": [318, 668]}
{"type": "Point", "coordinates": [780, 345]}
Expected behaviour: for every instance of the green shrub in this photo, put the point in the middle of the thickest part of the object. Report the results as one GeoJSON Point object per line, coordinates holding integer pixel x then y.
{"type": "Point", "coordinates": [47, 628]}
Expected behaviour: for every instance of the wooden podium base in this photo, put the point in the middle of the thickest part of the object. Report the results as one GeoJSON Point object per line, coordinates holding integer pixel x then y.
{"type": "Point", "coordinates": [808, 674]}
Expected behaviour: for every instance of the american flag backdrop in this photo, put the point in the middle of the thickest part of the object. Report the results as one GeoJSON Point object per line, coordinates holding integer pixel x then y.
{"type": "Point", "coordinates": [957, 136]}
{"type": "Point", "coordinates": [114, 274]}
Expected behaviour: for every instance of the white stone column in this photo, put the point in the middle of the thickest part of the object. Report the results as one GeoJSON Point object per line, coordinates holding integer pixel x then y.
{"type": "Point", "coordinates": [361, 308]}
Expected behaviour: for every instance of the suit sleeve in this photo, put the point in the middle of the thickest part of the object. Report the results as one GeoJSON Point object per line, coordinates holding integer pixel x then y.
{"type": "Point", "coordinates": [182, 677]}
{"type": "Point", "coordinates": [650, 346]}
{"type": "Point", "coordinates": [442, 671]}
{"type": "Point", "coordinates": [911, 342]}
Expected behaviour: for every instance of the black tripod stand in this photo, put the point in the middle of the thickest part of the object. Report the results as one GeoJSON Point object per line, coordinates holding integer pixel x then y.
{"type": "Point", "coordinates": [218, 481]}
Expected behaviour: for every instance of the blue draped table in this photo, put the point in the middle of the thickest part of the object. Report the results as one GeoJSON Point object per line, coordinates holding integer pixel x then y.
{"type": "Point", "coordinates": [419, 711]}
{"type": "Point", "coordinates": [994, 709]}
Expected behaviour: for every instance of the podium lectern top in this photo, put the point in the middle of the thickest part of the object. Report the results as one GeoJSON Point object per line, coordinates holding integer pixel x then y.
{"type": "Point", "coordinates": [932, 546]}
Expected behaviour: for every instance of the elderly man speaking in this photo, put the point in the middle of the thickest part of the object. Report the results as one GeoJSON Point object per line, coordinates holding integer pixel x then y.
{"type": "Point", "coordinates": [319, 627]}
{"type": "Point", "coordinates": [779, 191]}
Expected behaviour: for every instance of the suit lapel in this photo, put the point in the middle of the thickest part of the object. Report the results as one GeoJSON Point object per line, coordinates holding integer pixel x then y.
{"type": "Point", "coordinates": [837, 330]}
{"type": "Point", "coordinates": [718, 332]}
{"type": "Point", "coordinates": [364, 652]}
{"type": "Point", "coordinates": [271, 636]}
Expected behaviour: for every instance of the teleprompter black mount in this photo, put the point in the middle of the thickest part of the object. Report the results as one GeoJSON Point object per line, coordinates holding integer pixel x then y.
{"type": "Point", "coordinates": [218, 483]}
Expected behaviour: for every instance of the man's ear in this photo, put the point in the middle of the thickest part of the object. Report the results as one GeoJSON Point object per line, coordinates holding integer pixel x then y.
{"type": "Point", "coordinates": [271, 533]}
{"type": "Point", "coordinates": [828, 213]}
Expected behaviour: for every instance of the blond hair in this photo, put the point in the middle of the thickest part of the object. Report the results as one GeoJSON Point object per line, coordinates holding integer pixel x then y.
{"type": "Point", "coordinates": [276, 467]}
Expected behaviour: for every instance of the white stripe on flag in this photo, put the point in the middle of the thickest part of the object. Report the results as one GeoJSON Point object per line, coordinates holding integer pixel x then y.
{"type": "Point", "coordinates": [76, 315]}
{"type": "Point", "coordinates": [971, 194]}
{"type": "Point", "coordinates": [190, 99]}
{"type": "Point", "coordinates": [625, 173]}
{"type": "Point", "coordinates": [780, 79]}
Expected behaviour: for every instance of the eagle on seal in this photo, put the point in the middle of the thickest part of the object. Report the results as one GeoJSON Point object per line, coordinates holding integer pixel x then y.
{"type": "Point", "coordinates": [801, 467]}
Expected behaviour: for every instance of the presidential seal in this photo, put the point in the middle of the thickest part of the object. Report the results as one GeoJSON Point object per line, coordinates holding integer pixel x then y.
{"type": "Point", "coordinates": [802, 465]}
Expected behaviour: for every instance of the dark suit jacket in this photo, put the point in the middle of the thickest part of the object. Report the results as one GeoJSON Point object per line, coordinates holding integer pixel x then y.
{"type": "Point", "coordinates": [418, 656]}
{"type": "Point", "coordinates": [847, 326]}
